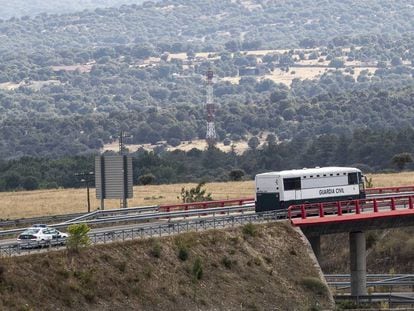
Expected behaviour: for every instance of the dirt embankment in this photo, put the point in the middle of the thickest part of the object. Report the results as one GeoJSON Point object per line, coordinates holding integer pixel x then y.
{"type": "Point", "coordinates": [255, 267]}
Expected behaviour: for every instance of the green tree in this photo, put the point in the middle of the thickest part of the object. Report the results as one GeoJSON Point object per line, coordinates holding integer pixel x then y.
{"type": "Point", "coordinates": [396, 61]}
{"type": "Point", "coordinates": [253, 142]}
{"type": "Point", "coordinates": [271, 139]}
{"type": "Point", "coordinates": [232, 46]}
{"type": "Point", "coordinates": [236, 174]}
{"type": "Point", "coordinates": [336, 63]}
{"type": "Point", "coordinates": [11, 181]}
{"type": "Point", "coordinates": [197, 194]}
{"type": "Point", "coordinates": [146, 179]}
{"type": "Point", "coordinates": [78, 237]}
{"type": "Point", "coordinates": [30, 183]}
{"type": "Point", "coordinates": [401, 159]}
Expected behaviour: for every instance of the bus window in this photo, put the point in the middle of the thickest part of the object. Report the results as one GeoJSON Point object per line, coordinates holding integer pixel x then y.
{"type": "Point", "coordinates": [292, 183]}
{"type": "Point", "coordinates": [352, 179]}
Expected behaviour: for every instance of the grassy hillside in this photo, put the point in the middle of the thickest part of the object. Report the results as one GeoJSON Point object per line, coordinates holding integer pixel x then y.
{"type": "Point", "coordinates": [61, 201]}
{"type": "Point", "coordinates": [248, 268]}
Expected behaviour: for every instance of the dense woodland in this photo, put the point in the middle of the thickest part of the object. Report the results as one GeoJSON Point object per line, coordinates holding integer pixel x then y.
{"type": "Point", "coordinates": [369, 150]}
{"type": "Point", "coordinates": [19, 8]}
{"type": "Point", "coordinates": [77, 79]}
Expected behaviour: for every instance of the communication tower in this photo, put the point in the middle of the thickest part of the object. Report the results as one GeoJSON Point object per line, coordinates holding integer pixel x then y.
{"type": "Point", "coordinates": [211, 136]}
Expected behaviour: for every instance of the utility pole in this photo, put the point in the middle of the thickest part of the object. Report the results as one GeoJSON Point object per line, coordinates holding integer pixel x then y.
{"type": "Point", "coordinates": [211, 136]}
{"type": "Point", "coordinates": [122, 135]}
{"type": "Point", "coordinates": [86, 178]}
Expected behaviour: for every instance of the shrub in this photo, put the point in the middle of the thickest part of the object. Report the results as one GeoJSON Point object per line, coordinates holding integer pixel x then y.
{"type": "Point", "coordinates": [371, 239]}
{"type": "Point", "coordinates": [400, 160]}
{"type": "Point", "coordinates": [2, 269]}
{"type": "Point", "coordinates": [227, 142]}
{"type": "Point", "coordinates": [121, 266]}
{"type": "Point", "coordinates": [183, 253]}
{"type": "Point", "coordinates": [30, 183]}
{"type": "Point", "coordinates": [198, 269]}
{"type": "Point", "coordinates": [156, 250]}
{"type": "Point", "coordinates": [197, 194]}
{"type": "Point", "coordinates": [78, 237]}
{"type": "Point", "coordinates": [315, 285]}
{"type": "Point", "coordinates": [226, 261]}
{"type": "Point", "coordinates": [369, 183]}
{"type": "Point", "coordinates": [174, 142]}
{"type": "Point", "coordinates": [249, 229]}
{"type": "Point", "coordinates": [236, 174]}
{"type": "Point", "coordinates": [253, 142]}
{"type": "Point", "coordinates": [146, 179]}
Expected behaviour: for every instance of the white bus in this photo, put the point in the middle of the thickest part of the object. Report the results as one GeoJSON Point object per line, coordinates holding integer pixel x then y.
{"type": "Point", "coordinates": [279, 190]}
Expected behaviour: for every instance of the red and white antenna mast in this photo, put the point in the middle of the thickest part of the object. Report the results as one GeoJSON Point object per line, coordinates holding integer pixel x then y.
{"type": "Point", "coordinates": [211, 136]}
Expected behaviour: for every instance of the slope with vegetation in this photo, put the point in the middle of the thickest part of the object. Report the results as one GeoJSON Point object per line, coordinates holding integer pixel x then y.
{"type": "Point", "coordinates": [255, 267]}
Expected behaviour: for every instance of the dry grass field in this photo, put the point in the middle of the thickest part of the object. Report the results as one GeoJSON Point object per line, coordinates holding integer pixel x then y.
{"type": "Point", "coordinates": [240, 146]}
{"type": "Point", "coordinates": [200, 144]}
{"type": "Point", "coordinates": [61, 201]}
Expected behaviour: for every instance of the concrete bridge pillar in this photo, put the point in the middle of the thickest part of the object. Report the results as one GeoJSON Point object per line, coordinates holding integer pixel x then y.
{"type": "Point", "coordinates": [358, 262]}
{"type": "Point", "coordinates": [315, 242]}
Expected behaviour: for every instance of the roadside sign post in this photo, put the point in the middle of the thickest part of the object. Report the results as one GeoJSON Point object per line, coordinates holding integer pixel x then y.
{"type": "Point", "coordinates": [113, 178]}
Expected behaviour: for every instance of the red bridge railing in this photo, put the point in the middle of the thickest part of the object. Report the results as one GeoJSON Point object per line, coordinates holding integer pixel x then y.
{"type": "Point", "coordinates": [223, 203]}
{"type": "Point", "coordinates": [354, 206]}
{"type": "Point", "coordinates": [204, 205]}
{"type": "Point", "coordinates": [389, 190]}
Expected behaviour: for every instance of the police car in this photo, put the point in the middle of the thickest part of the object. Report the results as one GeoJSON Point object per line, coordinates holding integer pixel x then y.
{"type": "Point", "coordinates": [39, 235]}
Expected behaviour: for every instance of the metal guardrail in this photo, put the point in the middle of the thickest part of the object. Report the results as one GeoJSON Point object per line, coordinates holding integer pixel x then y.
{"type": "Point", "coordinates": [387, 297]}
{"type": "Point", "coordinates": [69, 218]}
{"type": "Point", "coordinates": [117, 211]}
{"type": "Point", "coordinates": [144, 217]}
{"type": "Point", "coordinates": [397, 189]}
{"type": "Point", "coordinates": [41, 220]}
{"type": "Point", "coordinates": [343, 281]}
{"type": "Point", "coordinates": [156, 230]}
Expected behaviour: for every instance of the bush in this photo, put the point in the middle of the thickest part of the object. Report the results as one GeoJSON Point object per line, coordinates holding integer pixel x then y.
{"type": "Point", "coordinates": [156, 250]}
{"type": "Point", "coordinates": [227, 262]}
{"type": "Point", "coordinates": [227, 142]}
{"type": "Point", "coordinates": [183, 253]}
{"type": "Point", "coordinates": [198, 269]}
{"type": "Point", "coordinates": [249, 229]}
{"type": "Point", "coordinates": [146, 179]}
{"type": "Point", "coordinates": [78, 237]}
{"type": "Point", "coordinates": [314, 285]}
{"type": "Point", "coordinates": [30, 183]}
{"type": "Point", "coordinates": [174, 142]}
{"type": "Point", "coordinates": [253, 142]}
{"type": "Point", "coordinates": [236, 174]}
{"type": "Point", "coordinates": [196, 194]}
{"type": "Point", "coordinates": [2, 269]}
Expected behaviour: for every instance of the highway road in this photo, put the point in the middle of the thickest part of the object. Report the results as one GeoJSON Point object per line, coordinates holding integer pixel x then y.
{"type": "Point", "coordinates": [150, 216]}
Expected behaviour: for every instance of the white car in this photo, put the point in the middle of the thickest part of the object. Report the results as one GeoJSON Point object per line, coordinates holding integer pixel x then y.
{"type": "Point", "coordinates": [42, 234]}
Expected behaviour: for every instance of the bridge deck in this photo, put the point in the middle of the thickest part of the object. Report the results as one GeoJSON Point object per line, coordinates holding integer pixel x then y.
{"type": "Point", "coordinates": [330, 219]}
{"type": "Point", "coordinates": [373, 211]}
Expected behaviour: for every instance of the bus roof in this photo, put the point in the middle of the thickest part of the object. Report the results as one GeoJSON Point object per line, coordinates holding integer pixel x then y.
{"type": "Point", "coordinates": [311, 171]}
